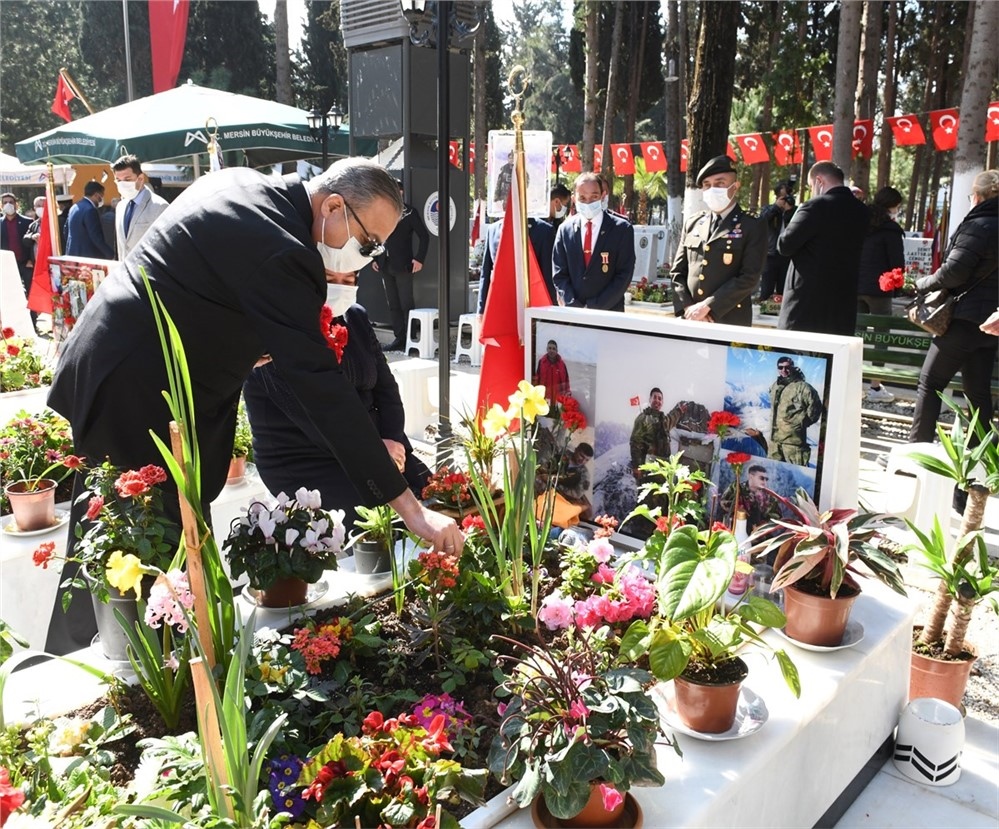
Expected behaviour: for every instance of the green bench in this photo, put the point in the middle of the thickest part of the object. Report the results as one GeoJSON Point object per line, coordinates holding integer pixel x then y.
{"type": "Point", "coordinates": [894, 350]}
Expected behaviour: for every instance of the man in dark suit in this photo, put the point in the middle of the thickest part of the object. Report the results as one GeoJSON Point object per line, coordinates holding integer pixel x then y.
{"type": "Point", "coordinates": [542, 237]}
{"type": "Point", "coordinates": [594, 256]}
{"type": "Point", "coordinates": [398, 265]}
{"type": "Point", "coordinates": [823, 240]}
{"type": "Point", "coordinates": [240, 265]}
{"type": "Point", "coordinates": [721, 253]}
{"type": "Point", "coordinates": [84, 232]}
{"type": "Point", "coordinates": [13, 227]}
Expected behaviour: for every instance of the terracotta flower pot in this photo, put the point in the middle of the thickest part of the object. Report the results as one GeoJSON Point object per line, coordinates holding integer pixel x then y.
{"type": "Point", "coordinates": [708, 707]}
{"type": "Point", "coordinates": [286, 592]}
{"type": "Point", "coordinates": [628, 815]}
{"type": "Point", "coordinates": [33, 509]}
{"type": "Point", "coordinates": [816, 620]}
{"type": "Point", "coordinates": [237, 470]}
{"type": "Point", "coordinates": [944, 679]}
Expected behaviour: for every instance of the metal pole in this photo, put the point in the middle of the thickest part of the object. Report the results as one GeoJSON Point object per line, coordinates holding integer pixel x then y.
{"type": "Point", "coordinates": [128, 52]}
{"type": "Point", "coordinates": [444, 11]}
{"type": "Point", "coordinates": [326, 139]}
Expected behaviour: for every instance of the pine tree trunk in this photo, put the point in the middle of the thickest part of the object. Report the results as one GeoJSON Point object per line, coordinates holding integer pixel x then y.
{"type": "Point", "coordinates": [847, 54]}
{"type": "Point", "coordinates": [281, 55]}
{"type": "Point", "coordinates": [610, 99]}
{"type": "Point", "coordinates": [867, 83]}
{"type": "Point", "coordinates": [891, 81]}
{"type": "Point", "coordinates": [969, 158]}
{"type": "Point", "coordinates": [591, 10]}
{"type": "Point", "coordinates": [481, 136]}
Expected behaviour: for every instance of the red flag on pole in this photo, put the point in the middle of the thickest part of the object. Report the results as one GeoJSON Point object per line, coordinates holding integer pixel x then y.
{"type": "Point", "coordinates": [40, 295]}
{"type": "Point", "coordinates": [624, 159]}
{"type": "Point", "coordinates": [992, 122]}
{"type": "Point", "coordinates": [167, 33]}
{"type": "Point", "coordinates": [598, 157]}
{"type": "Point", "coordinates": [753, 149]}
{"type": "Point", "coordinates": [906, 130]}
{"type": "Point", "coordinates": [928, 226]}
{"type": "Point", "coordinates": [516, 284]}
{"type": "Point", "coordinates": [787, 148]}
{"type": "Point", "coordinates": [63, 95]}
{"type": "Point", "coordinates": [655, 158]}
{"type": "Point", "coordinates": [822, 138]}
{"type": "Point", "coordinates": [863, 138]}
{"type": "Point", "coordinates": [684, 154]}
{"type": "Point", "coordinates": [471, 158]}
{"type": "Point", "coordinates": [943, 128]}
{"type": "Point", "coordinates": [569, 154]}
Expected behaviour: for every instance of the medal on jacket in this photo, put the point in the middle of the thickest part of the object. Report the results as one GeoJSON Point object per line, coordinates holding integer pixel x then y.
{"type": "Point", "coordinates": [605, 261]}
{"type": "Point", "coordinates": [727, 258]}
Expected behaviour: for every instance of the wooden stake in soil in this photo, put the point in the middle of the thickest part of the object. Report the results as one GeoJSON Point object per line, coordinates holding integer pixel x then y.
{"type": "Point", "coordinates": [208, 723]}
{"type": "Point", "coordinates": [195, 567]}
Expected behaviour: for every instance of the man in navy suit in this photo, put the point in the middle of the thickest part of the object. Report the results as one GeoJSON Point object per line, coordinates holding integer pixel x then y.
{"type": "Point", "coordinates": [85, 232]}
{"type": "Point", "coordinates": [594, 256]}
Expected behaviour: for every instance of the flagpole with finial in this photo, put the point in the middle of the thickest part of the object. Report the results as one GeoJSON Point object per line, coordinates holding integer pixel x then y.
{"type": "Point", "coordinates": [518, 81]}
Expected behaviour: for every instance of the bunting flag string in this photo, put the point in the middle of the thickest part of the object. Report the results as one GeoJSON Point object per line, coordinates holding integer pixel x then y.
{"type": "Point", "coordinates": [783, 146]}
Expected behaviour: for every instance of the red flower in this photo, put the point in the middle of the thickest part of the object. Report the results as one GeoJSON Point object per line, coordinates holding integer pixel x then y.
{"type": "Point", "coordinates": [373, 722]}
{"type": "Point", "coordinates": [473, 523]}
{"type": "Point", "coordinates": [153, 475]}
{"type": "Point", "coordinates": [8, 333]}
{"type": "Point", "coordinates": [131, 484]}
{"type": "Point", "coordinates": [721, 422]}
{"type": "Point", "coordinates": [13, 350]}
{"type": "Point", "coordinates": [11, 797]}
{"type": "Point", "coordinates": [890, 280]}
{"type": "Point", "coordinates": [738, 458]}
{"type": "Point", "coordinates": [719, 527]}
{"type": "Point", "coordinates": [336, 335]}
{"type": "Point", "coordinates": [94, 507]}
{"type": "Point", "coordinates": [44, 554]}
{"type": "Point", "coordinates": [72, 462]}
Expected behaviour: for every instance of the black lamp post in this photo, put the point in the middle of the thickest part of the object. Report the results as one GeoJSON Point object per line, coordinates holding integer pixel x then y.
{"type": "Point", "coordinates": [320, 124]}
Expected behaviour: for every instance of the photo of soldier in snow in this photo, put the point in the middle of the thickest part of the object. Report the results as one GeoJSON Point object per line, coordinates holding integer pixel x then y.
{"type": "Point", "coordinates": [795, 405]}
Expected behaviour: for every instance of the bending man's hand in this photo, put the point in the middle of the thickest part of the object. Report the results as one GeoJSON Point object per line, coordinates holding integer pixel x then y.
{"type": "Point", "coordinates": [396, 451]}
{"type": "Point", "coordinates": [433, 527]}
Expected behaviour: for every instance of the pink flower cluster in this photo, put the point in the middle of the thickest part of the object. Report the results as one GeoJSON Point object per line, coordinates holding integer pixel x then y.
{"type": "Point", "coordinates": [621, 597]}
{"type": "Point", "coordinates": [168, 599]}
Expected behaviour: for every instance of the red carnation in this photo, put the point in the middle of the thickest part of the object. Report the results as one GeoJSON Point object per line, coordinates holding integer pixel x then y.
{"type": "Point", "coordinates": [721, 422]}
{"type": "Point", "coordinates": [738, 458]}
{"type": "Point", "coordinates": [8, 333]}
{"type": "Point", "coordinates": [13, 350]}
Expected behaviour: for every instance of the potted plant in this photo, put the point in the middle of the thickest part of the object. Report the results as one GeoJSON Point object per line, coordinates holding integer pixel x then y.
{"type": "Point", "coordinates": [21, 366]}
{"type": "Point", "coordinates": [816, 554]}
{"type": "Point", "coordinates": [942, 658]}
{"type": "Point", "coordinates": [693, 638]}
{"type": "Point", "coordinates": [242, 446]}
{"type": "Point", "coordinates": [449, 491]}
{"type": "Point", "coordinates": [576, 732]}
{"type": "Point", "coordinates": [284, 548]}
{"type": "Point", "coordinates": [35, 457]}
{"type": "Point", "coordinates": [374, 544]}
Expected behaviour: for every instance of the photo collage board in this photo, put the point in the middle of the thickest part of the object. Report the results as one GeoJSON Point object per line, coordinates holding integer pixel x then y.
{"type": "Point", "coordinates": [658, 387]}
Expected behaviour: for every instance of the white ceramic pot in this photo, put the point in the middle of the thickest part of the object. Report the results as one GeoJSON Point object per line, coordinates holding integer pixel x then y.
{"type": "Point", "coordinates": [929, 742]}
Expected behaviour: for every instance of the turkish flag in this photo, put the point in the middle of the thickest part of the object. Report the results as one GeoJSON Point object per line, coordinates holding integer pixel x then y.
{"type": "Point", "coordinates": [40, 292]}
{"type": "Point", "coordinates": [754, 151]}
{"type": "Point", "coordinates": [471, 158]}
{"type": "Point", "coordinates": [167, 33]}
{"type": "Point", "coordinates": [822, 138]}
{"type": "Point", "coordinates": [730, 151]}
{"type": "Point", "coordinates": [943, 128]}
{"type": "Point", "coordinates": [63, 95]}
{"type": "Point", "coordinates": [624, 159]}
{"type": "Point", "coordinates": [570, 158]}
{"type": "Point", "coordinates": [635, 401]}
{"type": "Point", "coordinates": [684, 154]}
{"type": "Point", "coordinates": [452, 154]}
{"type": "Point", "coordinates": [992, 122]}
{"type": "Point", "coordinates": [787, 148]}
{"type": "Point", "coordinates": [598, 157]}
{"type": "Point", "coordinates": [510, 292]}
{"type": "Point", "coordinates": [906, 130]}
{"type": "Point", "coordinates": [863, 138]}
{"type": "Point", "coordinates": [654, 155]}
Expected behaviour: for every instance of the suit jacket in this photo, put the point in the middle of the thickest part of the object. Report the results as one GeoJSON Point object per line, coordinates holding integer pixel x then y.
{"type": "Point", "coordinates": [20, 227]}
{"type": "Point", "coordinates": [85, 234]}
{"type": "Point", "coordinates": [398, 257]}
{"type": "Point", "coordinates": [612, 264]}
{"type": "Point", "coordinates": [234, 263]}
{"type": "Point", "coordinates": [722, 268]}
{"type": "Point", "coordinates": [542, 236]}
{"type": "Point", "coordinates": [142, 219]}
{"type": "Point", "coordinates": [823, 240]}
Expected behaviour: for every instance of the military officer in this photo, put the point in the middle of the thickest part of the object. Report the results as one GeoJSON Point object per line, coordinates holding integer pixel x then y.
{"type": "Point", "coordinates": [721, 253]}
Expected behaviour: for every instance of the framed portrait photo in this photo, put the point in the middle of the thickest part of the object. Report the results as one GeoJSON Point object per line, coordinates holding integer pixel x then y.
{"type": "Point", "coordinates": [781, 408]}
{"type": "Point", "coordinates": [537, 161]}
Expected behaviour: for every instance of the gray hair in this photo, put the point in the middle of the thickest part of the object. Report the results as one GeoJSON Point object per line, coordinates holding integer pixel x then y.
{"type": "Point", "coordinates": [360, 181]}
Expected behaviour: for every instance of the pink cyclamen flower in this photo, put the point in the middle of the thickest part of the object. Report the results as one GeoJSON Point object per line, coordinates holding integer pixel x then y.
{"type": "Point", "coordinates": [612, 797]}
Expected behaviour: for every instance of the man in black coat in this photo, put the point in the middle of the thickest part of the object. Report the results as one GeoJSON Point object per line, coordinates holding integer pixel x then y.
{"type": "Point", "coordinates": [398, 265]}
{"type": "Point", "coordinates": [594, 257]}
{"type": "Point", "coordinates": [720, 255]}
{"type": "Point", "coordinates": [84, 234]}
{"type": "Point", "coordinates": [240, 266]}
{"type": "Point", "coordinates": [823, 240]}
{"type": "Point", "coordinates": [13, 226]}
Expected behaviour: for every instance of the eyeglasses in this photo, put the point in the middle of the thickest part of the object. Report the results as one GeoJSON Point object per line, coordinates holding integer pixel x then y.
{"type": "Point", "coordinates": [372, 247]}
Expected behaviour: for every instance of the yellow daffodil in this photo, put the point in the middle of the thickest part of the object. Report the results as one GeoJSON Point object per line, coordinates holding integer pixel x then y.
{"type": "Point", "coordinates": [124, 571]}
{"type": "Point", "coordinates": [530, 401]}
{"type": "Point", "coordinates": [496, 422]}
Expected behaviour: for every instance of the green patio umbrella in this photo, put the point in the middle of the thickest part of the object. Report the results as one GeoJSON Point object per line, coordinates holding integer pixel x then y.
{"type": "Point", "coordinates": [171, 126]}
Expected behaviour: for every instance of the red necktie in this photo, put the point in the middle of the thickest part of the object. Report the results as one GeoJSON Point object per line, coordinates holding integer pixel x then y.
{"type": "Point", "coordinates": [588, 245]}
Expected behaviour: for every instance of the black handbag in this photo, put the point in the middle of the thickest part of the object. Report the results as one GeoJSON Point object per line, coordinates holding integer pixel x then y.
{"type": "Point", "coordinates": [932, 311]}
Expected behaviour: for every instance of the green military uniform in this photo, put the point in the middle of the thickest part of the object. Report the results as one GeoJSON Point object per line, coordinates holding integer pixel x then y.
{"type": "Point", "coordinates": [759, 506]}
{"type": "Point", "coordinates": [795, 406]}
{"type": "Point", "coordinates": [722, 267]}
{"type": "Point", "coordinates": [650, 434]}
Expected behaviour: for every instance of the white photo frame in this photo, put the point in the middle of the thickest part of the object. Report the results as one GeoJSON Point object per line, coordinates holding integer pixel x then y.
{"type": "Point", "coordinates": [537, 159]}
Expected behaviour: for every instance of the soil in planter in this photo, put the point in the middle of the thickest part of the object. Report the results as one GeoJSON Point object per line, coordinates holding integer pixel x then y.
{"type": "Point", "coordinates": [725, 673]}
{"type": "Point", "coordinates": [935, 650]}
{"type": "Point", "coordinates": [813, 589]}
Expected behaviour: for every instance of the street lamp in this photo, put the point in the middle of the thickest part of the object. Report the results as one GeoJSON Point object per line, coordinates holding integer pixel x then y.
{"type": "Point", "coordinates": [320, 124]}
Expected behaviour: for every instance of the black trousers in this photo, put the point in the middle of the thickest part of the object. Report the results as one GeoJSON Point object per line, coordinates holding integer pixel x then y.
{"type": "Point", "coordinates": [399, 295]}
{"type": "Point", "coordinates": [774, 271]}
{"type": "Point", "coordinates": [963, 347]}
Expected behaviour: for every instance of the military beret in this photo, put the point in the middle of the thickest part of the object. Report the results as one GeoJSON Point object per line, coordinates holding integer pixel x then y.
{"type": "Point", "coordinates": [718, 164]}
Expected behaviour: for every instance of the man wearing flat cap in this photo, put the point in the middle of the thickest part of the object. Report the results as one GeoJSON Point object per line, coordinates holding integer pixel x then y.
{"type": "Point", "coordinates": [721, 253]}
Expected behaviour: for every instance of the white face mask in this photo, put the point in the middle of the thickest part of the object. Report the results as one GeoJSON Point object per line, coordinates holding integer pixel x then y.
{"type": "Point", "coordinates": [589, 210]}
{"type": "Point", "coordinates": [127, 189]}
{"type": "Point", "coordinates": [9, 209]}
{"type": "Point", "coordinates": [561, 211]}
{"type": "Point", "coordinates": [340, 297]}
{"type": "Point", "coordinates": [893, 215]}
{"type": "Point", "coordinates": [605, 202]}
{"type": "Point", "coordinates": [716, 198]}
{"type": "Point", "coordinates": [342, 260]}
